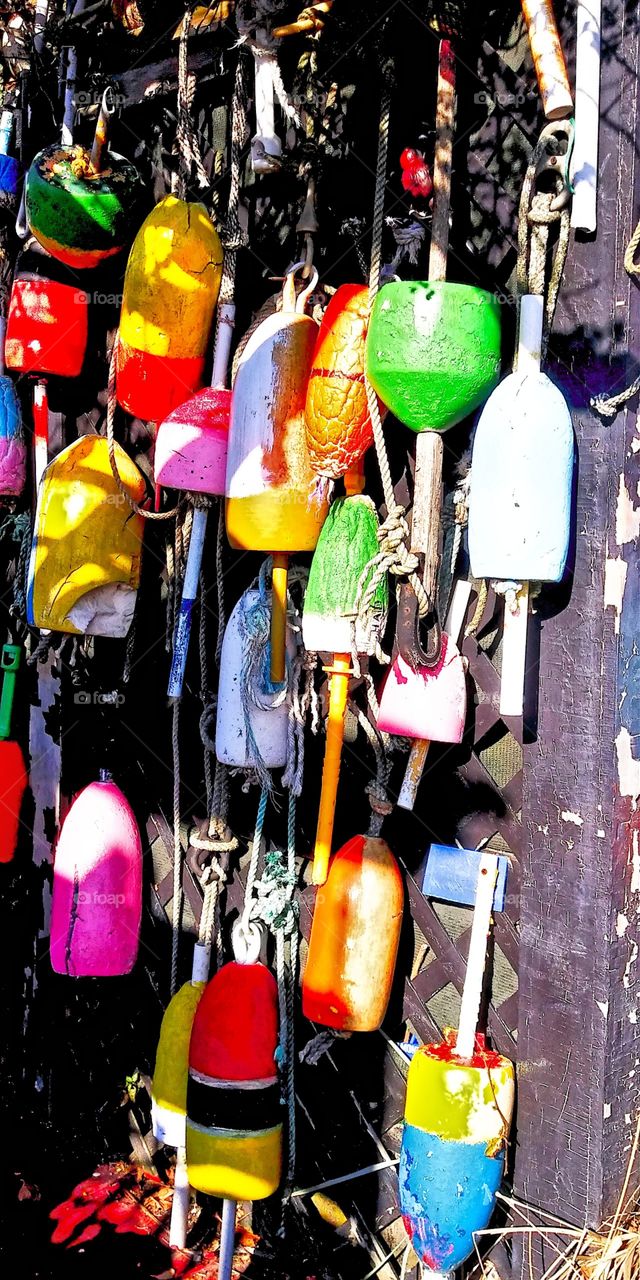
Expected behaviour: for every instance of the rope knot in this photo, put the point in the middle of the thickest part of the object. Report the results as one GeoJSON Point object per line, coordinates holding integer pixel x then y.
{"type": "Point", "coordinates": [275, 904]}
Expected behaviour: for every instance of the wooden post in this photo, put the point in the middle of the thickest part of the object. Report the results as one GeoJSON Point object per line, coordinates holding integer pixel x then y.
{"type": "Point", "coordinates": [579, 1041]}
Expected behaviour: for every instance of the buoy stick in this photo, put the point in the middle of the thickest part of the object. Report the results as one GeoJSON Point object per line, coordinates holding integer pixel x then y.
{"type": "Point", "coordinates": [222, 348]}
{"type": "Point", "coordinates": [338, 689]}
{"type": "Point", "coordinates": [514, 652]}
{"type": "Point", "coordinates": [189, 594]}
{"type": "Point", "coordinates": [40, 430]}
{"type": "Point", "coordinates": [278, 615]}
{"type": "Point", "coordinates": [584, 161]}
{"type": "Point", "coordinates": [548, 59]}
{"type": "Point", "coordinates": [102, 129]}
{"type": "Point", "coordinates": [427, 492]}
{"type": "Point", "coordinates": [472, 991]}
{"type": "Point", "coordinates": [227, 1239]}
{"type": "Point", "coordinates": [180, 1202]}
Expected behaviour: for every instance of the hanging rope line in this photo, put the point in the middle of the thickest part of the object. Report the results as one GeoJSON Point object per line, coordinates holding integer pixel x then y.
{"type": "Point", "coordinates": [189, 156]}
{"type": "Point", "coordinates": [111, 409]}
{"type": "Point", "coordinates": [393, 536]}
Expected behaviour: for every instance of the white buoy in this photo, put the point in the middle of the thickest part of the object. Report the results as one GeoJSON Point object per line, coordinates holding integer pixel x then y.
{"type": "Point", "coordinates": [266, 707]}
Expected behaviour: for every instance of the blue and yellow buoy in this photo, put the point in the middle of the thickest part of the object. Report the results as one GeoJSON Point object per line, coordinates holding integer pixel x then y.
{"type": "Point", "coordinates": [457, 1120]}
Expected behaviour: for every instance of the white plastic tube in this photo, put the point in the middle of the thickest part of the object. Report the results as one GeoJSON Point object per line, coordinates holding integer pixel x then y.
{"type": "Point", "coordinates": [584, 162]}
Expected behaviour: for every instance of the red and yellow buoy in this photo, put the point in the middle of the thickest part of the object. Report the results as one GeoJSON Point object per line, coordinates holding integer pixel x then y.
{"type": "Point", "coordinates": [170, 292]}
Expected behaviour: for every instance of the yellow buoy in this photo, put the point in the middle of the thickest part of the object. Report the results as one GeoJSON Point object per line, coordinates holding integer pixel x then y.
{"type": "Point", "coordinates": [84, 569]}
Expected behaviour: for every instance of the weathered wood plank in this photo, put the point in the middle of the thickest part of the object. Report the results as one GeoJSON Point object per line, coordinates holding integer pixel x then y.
{"type": "Point", "coordinates": [578, 1093]}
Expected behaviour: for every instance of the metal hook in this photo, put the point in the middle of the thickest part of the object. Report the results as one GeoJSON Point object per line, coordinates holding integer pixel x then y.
{"type": "Point", "coordinates": [291, 302]}
{"type": "Point", "coordinates": [554, 161]}
{"type": "Point", "coordinates": [408, 632]}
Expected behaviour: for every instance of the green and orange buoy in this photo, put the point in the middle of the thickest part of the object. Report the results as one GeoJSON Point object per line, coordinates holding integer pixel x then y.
{"type": "Point", "coordinates": [81, 204]}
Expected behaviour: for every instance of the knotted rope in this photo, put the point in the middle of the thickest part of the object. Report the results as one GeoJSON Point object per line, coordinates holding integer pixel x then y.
{"type": "Point", "coordinates": [376, 788]}
{"type": "Point", "coordinates": [607, 406]}
{"type": "Point", "coordinates": [537, 213]}
{"type": "Point", "coordinates": [409, 238]}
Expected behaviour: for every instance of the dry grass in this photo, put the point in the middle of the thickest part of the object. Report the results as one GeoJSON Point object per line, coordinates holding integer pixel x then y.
{"type": "Point", "coordinates": [578, 1253]}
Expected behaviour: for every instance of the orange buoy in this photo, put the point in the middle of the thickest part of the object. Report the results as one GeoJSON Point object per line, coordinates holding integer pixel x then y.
{"type": "Point", "coordinates": [354, 938]}
{"type": "Point", "coordinates": [336, 412]}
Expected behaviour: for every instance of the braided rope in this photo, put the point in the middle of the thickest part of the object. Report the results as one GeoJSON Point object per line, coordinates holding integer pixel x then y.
{"type": "Point", "coordinates": [376, 788]}
{"type": "Point", "coordinates": [186, 138]}
{"type": "Point", "coordinates": [111, 409]}
{"type": "Point", "coordinates": [535, 218]}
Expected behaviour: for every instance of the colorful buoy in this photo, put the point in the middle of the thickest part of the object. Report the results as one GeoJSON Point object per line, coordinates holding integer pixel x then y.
{"type": "Point", "coordinates": [170, 292]}
{"type": "Point", "coordinates": [457, 1121]}
{"type": "Point", "coordinates": [433, 351]}
{"type": "Point", "coordinates": [336, 413]}
{"type": "Point", "coordinates": [234, 1115]}
{"type": "Point", "coordinates": [275, 502]}
{"type": "Point", "coordinates": [354, 938]}
{"type": "Point", "coordinates": [84, 568]}
{"type": "Point", "coordinates": [348, 542]}
{"type": "Point", "coordinates": [97, 886]}
{"type": "Point", "coordinates": [78, 215]}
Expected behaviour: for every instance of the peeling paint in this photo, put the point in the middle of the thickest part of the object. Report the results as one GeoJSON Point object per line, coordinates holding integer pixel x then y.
{"type": "Point", "coordinates": [622, 924]}
{"type": "Point", "coordinates": [568, 816]}
{"type": "Point", "coordinates": [632, 959]}
{"type": "Point", "coordinates": [627, 516]}
{"type": "Point", "coordinates": [615, 577]}
{"type": "Point", "coordinates": [628, 768]}
{"type": "Point", "coordinates": [635, 862]}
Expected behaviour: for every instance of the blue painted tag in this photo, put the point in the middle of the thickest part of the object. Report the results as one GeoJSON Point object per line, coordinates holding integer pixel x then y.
{"type": "Point", "coordinates": [452, 875]}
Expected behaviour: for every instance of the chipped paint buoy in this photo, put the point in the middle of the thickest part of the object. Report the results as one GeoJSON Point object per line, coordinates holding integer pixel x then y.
{"type": "Point", "coordinates": [336, 413]}
{"type": "Point", "coordinates": [433, 351]}
{"type": "Point", "coordinates": [457, 1119]}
